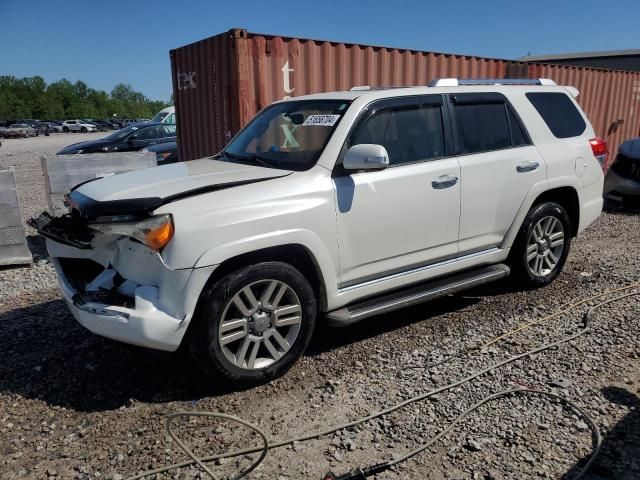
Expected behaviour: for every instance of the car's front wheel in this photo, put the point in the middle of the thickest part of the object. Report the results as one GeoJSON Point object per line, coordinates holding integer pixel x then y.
{"type": "Point", "coordinates": [542, 245]}
{"type": "Point", "coordinates": [65, 129]}
{"type": "Point", "coordinates": [83, 129]}
{"type": "Point", "coordinates": [253, 324]}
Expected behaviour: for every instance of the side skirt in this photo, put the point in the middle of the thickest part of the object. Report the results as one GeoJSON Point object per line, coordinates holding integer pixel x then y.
{"type": "Point", "coordinates": [415, 294]}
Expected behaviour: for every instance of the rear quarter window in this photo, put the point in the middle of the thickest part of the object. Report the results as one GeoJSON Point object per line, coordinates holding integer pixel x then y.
{"type": "Point", "coordinates": [559, 113]}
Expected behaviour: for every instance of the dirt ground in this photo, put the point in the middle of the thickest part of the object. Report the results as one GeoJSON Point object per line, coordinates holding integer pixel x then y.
{"type": "Point", "coordinates": [74, 405]}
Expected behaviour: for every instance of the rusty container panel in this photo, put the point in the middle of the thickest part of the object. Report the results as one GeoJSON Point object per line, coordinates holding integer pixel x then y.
{"type": "Point", "coordinates": [205, 92]}
{"type": "Point", "coordinates": [219, 83]}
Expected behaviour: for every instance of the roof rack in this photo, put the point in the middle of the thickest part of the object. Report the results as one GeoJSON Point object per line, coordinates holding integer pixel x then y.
{"type": "Point", "coordinates": [454, 82]}
{"type": "Point", "coordinates": [358, 88]}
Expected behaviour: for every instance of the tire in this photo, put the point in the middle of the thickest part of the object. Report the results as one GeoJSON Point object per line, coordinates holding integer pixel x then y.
{"type": "Point", "coordinates": [83, 129]}
{"type": "Point", "coordinates": [541, 246]}
{"type": "Point", "coordinates": [65, 129]}
{"type": "Point", "coordinates": [230, 361]}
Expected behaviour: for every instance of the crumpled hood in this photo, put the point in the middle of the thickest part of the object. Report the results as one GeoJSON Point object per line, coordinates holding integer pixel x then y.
{"type": "Point", "coordinates": [176, 179]}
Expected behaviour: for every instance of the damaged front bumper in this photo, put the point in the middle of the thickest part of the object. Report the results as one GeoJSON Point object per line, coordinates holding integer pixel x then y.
{"type": "Point", "coordinates": [119, 288]}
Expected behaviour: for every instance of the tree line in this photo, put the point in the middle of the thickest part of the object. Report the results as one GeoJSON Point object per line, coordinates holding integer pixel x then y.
{"type": "Point", "coordinates": [31, 97]}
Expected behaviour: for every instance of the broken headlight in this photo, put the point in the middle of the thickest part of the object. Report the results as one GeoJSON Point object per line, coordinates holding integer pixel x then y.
{"type": "Point", "coordinates": [155, 231]}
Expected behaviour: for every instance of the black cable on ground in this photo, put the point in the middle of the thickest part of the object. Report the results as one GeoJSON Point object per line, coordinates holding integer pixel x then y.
{"type": "Point", "coordinates": [369, 471]}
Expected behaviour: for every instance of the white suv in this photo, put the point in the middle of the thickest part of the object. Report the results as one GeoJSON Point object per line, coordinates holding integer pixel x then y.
{"type": "Point", "coordinates": [330, 207]}
{"type": "Point", "coordinates": [78, 126]}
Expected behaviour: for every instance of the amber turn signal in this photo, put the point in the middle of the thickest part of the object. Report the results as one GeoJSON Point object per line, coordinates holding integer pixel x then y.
{"type": "Point", "coordinates": [160, 236]}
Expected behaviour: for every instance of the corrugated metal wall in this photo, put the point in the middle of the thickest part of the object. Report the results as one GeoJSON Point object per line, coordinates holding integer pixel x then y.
{"type": "Point", "coordinates": [221, 82]}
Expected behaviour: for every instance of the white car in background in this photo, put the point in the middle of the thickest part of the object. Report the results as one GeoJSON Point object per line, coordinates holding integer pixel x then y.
{"type": "Point", "coordinates": [332, 207]}
{"type": "Point", "coordinates": [78, 126]}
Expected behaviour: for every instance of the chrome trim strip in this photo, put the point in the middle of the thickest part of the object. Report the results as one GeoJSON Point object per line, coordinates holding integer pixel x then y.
{"type": "Point", "coordinates": [359, 283]}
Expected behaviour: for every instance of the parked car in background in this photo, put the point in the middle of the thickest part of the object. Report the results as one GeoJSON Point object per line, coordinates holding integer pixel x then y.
{"type": "Point", "coordinates": [332, 207]}
{"type": "Point", "coordinates": [44, 128]}
{"type": "Point", "coordinates": [100, 125]}
{"type": "Point", "coordinates": [166, 115]}
{"type": "Point", "coordinates": [132, 138]}
{"type": "Point", "coordinates": [78, 126]}
{"type": "Point", "coordinates": [20, 130]}
{"type": "Point", "coordinates": [622, 183]}
{"type": "Point", "coordinates": [28, 121]}
{"type": "Point", "coordinates": [52, 127]}
{"type": "Point", "coordinates": [165, 152]}
{"type": "Point", "coordinates": [133, 121]}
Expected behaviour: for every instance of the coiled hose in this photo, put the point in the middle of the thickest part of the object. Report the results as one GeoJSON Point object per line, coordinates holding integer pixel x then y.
{"type": "Point", "coordinates": [268, 444]}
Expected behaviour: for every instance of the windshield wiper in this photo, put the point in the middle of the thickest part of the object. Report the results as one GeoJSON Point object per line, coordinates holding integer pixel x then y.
{"type": "Point", "coordinates": [251, 158]}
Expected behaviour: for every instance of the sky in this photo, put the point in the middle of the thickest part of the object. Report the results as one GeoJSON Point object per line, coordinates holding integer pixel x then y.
{"type": "Point", "coordinates": [107, 42]}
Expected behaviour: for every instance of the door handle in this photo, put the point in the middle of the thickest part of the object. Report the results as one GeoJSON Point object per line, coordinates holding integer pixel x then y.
{"type": "Point", "coordinates": [445, 181]}
{"type": "Point", "coordinates": [527, 167]}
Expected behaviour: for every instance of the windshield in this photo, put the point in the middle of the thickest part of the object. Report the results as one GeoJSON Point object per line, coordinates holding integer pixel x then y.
{"type": "Point", "coordinates": [159, 117]}
{"type": "Point", "coordinates": [288, 135]}
{"type": "Point", "coordinates": [123, 132]}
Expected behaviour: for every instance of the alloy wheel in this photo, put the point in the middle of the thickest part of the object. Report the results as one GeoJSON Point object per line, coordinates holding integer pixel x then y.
{"type": "Point", "coordinates": [545, 246]}
{"type": "Point", "coordinates": [260, 324]}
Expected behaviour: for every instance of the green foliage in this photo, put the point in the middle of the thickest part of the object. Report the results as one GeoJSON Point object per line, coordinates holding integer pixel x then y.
{"type": "Point", "coordinates": [31, 97]}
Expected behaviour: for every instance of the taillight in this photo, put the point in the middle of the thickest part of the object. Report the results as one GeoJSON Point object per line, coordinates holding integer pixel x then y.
{"type": "Point", "coordinates": [599, 149]}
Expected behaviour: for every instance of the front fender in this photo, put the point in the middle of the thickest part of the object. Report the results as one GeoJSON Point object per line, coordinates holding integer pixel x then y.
{"type": "Point", "coordinates": [306, 238]}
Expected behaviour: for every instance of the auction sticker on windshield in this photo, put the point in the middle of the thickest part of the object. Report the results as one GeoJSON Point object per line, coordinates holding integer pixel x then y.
{"type": "Point", "coordinates": [321, 120]}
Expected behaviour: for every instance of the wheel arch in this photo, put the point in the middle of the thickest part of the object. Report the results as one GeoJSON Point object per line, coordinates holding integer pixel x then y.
{"type": "Point", "coordinates": [565, 194]}
{"type": "Point", "coordinates": [294, 254]}
{"type": "Point", "coordinates": [568, 198]}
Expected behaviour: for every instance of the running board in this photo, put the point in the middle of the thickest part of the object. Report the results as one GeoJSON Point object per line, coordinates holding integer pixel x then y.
{"type": "Point", "coordinates": [416, 294]}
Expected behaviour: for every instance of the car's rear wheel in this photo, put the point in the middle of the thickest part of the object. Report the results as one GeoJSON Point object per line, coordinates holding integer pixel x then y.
{"type": "Point", "coordinates": [542, 245]}
{"type": "Point", "coordinates": [253, 324]}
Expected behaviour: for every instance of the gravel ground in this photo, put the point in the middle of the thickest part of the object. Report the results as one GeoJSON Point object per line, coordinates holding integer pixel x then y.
{"type": "Point", "coordinates": [73, 405]}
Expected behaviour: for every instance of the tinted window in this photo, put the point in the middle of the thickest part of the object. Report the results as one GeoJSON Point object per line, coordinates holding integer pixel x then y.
{"type": "Point", "coordinates": [559, 113]}
{"type": "Point", "coordinates": [409, 134]}
{"type": "Point", "coordinates": [148, 133]}
{"type": "Point", "coordinates": [518, 137]}
{"type": "Point", "coordinates": [482, 127]}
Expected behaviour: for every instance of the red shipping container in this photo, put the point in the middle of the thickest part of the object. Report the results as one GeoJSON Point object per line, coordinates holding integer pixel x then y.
{"type": "Point", "coordinates": [219, 83]}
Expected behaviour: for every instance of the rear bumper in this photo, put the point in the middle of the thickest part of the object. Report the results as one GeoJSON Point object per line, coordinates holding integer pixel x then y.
{"type": "Point", "coordinates": [591, 202]}
{"type": "Point", "coordinates": [616, 186]}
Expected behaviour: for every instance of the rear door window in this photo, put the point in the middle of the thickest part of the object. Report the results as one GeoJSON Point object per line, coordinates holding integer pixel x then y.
{"type": "Point", "coordinates": [518, 137]}
{"type": "Point", "coordinates": [559, 113]}
{"type": "Point", "coordinates": [482, 128]}
{"type": "Point", "coordinates": [409, 133]}
{"type": "Point", "coordinates": [486, 122]}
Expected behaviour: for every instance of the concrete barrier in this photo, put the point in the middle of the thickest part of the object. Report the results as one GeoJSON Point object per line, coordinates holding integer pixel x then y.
{"type": "Point", "coordinates": [63, 172]}
{"type": "Point", "coordinates": [13, 245]}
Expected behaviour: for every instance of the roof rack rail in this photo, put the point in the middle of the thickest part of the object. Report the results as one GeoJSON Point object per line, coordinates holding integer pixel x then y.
{"type": "Point", "coordinates": [454, 82]}
{"type": "Point", "coordinates": [369, 87]}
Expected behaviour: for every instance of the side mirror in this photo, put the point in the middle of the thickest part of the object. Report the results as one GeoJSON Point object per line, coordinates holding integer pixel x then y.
{"type": "Point", "coordinates": [366, 156]}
